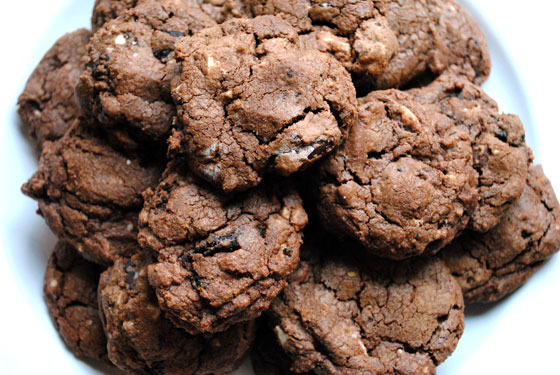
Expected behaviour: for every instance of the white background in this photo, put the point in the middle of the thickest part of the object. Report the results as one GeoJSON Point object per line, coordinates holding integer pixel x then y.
{"type": "Point", "coordinates": [517, 336]}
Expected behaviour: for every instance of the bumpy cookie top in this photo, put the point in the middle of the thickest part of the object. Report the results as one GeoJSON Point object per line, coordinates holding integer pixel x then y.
{"type": "Point", "coordinates": [47, 104]}
{"type": "Point", "coordinates": [106, 10]}
{"type": "Point", "coordinates": [130, 64]}
{"type": "Point", "coordinates": [142, 341]}
{"type": "Point", "coordinates": [217, 9]}
{"type": "Point", "coordinates": [387, 44]}
{"type": "Point", "coordinates": [452, 126]}
{"type": "Point", "coordinates": [222, 260]}
{"type": "Point", "coordinates": [501, 157]}
{"type": "Point", "coordinates": [71, 294]}
{"type": "Point", "coordinates": [491, 265]}
{"type": "Point", "coordinates": [90, 195]}
{"type": "Point", "coordinates": [403, 182]}
{"type": "Point", "coordinates": [249, 100]}
{"type": "Point", "coordinates": [344, 315]}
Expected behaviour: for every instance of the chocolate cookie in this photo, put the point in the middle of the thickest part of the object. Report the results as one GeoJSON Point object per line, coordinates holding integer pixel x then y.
{"type": "Point", "coordinates": [489, 266]}
{"type": "Point", "coordinates": [222, 259]}
{"type": "Point", "coordinates": [106, 10]}
{"type": "Point", "coordinates": [142, 341]}
{"type": "Point", "coordinates": [47, 105]}
{"type": "Point", "coordinates": [501, 156]}
{"type": "Point", "coordinates": [249, 100]}
{"type": "Point", "coordinates": [71, 294]}
{"type": "Point", "coordinates": [345, 315]}
{"type": "Point", "coordinates": [403, 183]}
{"type": "Point", "coordinates": [419, 164]}
{"type": "Point", "coordinates": [387, 44]}
{"type": "Point", "coordinates": [130, 64]}
{"type": "Point", "coordinates": [216, 9]}
{"type": "Point", "coordinates": [90, 195]}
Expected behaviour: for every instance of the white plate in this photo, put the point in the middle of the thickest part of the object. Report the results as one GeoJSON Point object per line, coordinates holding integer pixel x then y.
{"type": "Point", "coordinates": [516, 336]}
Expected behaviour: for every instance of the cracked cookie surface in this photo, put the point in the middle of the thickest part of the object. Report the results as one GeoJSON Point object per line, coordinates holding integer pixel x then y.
{"type": "Point", "coordinates": [421, 165]}
{"type": "Point", "coordinates": [501, 156]}
{"type": "Point", "coordinates": [222, 259]}
{"type": "Point", "coordinates": [47, 105]}
{"type": "Point", "coordinates": [249, 100]}
{"type": "Point", "coordinates": [142, 341]}
{"type": "Point", "coordinates": [345, 315]}
{"type": "Point", "coordinates": [90, 195]}
{"type": "Point", "coordinates": [491, 265]}
{"type": "Point", "coordinates": [130, 64]}
{"type": "Point", "coordinates": [387, 44]}
{"type": "Point", "coordinates": [403, 182]}
{"type": "Point", "coordinates": [70, 289]}
{"type": "Point", "coordinates": [106, 10]}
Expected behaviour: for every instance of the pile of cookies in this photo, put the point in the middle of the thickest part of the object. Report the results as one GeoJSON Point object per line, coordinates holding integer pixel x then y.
{"type": "Point", "coordinates": [322, 184]}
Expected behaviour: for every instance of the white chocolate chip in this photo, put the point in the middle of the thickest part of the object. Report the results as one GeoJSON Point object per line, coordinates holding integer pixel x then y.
{"type": "Point", "coordinates": [363, 346]}
{"type": "Point", "coordinates": [282, 336]}
{"type": "Point", "coordinates": [327, 37]}
{"type": "Point", "coordinates": [130, 227]}
{"type": "Point", "coordinates": [210, 152]}
{"type": "Point", "coordinates": [128, 162]}
{"type": "Point", "coordinates": [285, 213]}
{"type": "Point", "coordinates": [212, 172]}
{"type": "Point", "coordinates": [120, 39]}
{"type": "Point", "coordinates": [53, 284]}
{"type": "Point", "coordinates": [211, 62]}
{"type": "Point", "coordinates": [298, 154]}
{"type": "Point", "coordinates": [408, 117]}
